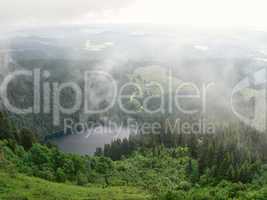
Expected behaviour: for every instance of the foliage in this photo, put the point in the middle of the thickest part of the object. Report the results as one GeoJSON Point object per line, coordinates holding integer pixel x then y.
{"type": "Point", "coordinates": [168, 167]}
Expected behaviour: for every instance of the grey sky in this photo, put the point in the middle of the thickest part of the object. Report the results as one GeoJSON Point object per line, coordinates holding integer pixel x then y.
{"type": "Point", "coordinates": [219, 13]}
{"type": "Point", "coordinates": [43, 11]}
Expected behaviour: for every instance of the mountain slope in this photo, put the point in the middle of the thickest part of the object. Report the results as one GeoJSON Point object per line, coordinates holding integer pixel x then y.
{"type": "Point", "coordinates": [23, 187]}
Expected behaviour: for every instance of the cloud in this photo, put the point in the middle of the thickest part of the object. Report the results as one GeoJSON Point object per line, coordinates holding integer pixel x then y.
{"type": "Point", "coordinates": [15, 11]}
{"type": "Point", "coordinates": [90, 46]}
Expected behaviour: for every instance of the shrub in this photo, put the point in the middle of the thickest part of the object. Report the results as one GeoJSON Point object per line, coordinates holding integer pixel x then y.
{"type": "Point", "coordinates": [60, 175]}
{"type": "Point", "coordinates": [82, 179]}
{"type": "Point", "coordinates": [184, 185]}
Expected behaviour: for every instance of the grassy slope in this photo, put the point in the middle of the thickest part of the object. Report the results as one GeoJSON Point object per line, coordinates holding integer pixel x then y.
{"type": "Point", "coordinates": [27, 188]}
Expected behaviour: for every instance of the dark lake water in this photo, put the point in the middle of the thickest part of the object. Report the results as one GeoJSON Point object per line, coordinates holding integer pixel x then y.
{"type": "Point", "coordinates": [88, 142]}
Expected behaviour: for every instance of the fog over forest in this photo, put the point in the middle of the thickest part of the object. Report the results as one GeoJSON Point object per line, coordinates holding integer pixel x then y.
{"type": "Point", "coordinates": [221, 62]}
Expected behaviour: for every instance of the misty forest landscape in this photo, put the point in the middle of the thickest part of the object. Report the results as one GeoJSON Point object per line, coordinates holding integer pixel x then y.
{"type": "Point", "coordinates": [133, 100]}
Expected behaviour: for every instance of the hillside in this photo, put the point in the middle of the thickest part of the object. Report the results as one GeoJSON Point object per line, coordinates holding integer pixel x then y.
{"type": "Point", "coordinates": [22, 187]}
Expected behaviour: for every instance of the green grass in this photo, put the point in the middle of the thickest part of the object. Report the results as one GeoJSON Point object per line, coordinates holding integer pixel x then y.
{"type": "Point", "coordinates": [22, 187]}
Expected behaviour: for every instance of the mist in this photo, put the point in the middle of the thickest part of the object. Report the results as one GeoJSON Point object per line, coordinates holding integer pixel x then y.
{"type": "Point", "coordinates": [154, 53]}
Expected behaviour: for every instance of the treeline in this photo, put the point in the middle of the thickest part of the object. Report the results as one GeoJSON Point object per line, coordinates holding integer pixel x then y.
{"type": "Point", "coordinates": [22, 151]}
{"type": "Point", "coordinates": [233, 153]}
{"type": "Point", "coordinates": [9, 132]}
{"type": "Point", "coordinates": [167, 173]}
{"type": "Point", "coordinates": [51, 164]}
{"type": "Point", "coordinates": [228, 165]}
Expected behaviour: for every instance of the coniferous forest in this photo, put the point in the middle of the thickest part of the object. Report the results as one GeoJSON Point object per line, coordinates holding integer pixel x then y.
{"type": "Point", "coordinates": [228, 165]}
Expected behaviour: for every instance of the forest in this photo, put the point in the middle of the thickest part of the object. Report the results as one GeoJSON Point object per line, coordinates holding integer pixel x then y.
{"type": "Point", "coordinates": [228, 165]}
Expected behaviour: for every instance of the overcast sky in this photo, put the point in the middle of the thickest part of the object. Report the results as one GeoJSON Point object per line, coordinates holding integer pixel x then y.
{"type": "Point", "coordinates": [218, 13]}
